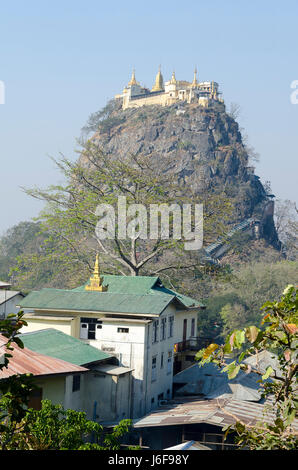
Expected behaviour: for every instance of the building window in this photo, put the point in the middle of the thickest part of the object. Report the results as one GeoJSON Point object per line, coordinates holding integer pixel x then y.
{"type": "Point", "coordinates": [163, 329]}
{"type": "Point", "coordinates": [152, 400]}
{"type": "Point", "coordinates": [171, 327]}
{"type": "Point", "coordinates": [193, 322]}
{"type": "Point", "coordinates": [161, 360]}
{"type": "Point", "coordinates": [123, 330]}
{"type": "Point", "coordinates": [76, 383]}
{"type": "Point", "coordinates": [89, 326]}
{"type": "Point", "coordinates": [154, 369]}
{"type": "Point", "coordinates": [35, 398]}
{"type": "Point", "coordinates": [169, 367]}
{"type": "Point", "coordinates": [189, 358]}
{"type": "Point", "coordinates": [155, 331]}
{"type": "Point", "coordinates": [160, 397]}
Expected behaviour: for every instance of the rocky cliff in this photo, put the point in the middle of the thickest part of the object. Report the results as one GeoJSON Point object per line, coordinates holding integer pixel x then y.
{"type": "Point", "coordinates": [205, 148]}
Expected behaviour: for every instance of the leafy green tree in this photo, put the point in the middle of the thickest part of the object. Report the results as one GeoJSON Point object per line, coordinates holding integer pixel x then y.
{"type": "Point", "coordinates": [278, 334]}
{"type": "Point", "coordinates": [233, 316]}
{"type": "Point", "coordinates": [19, 239]}
{"type": "Point", "coordinates": [234, 301]}
{"type": "Point", "coordinates": [98, 178]}
{"type": "Point", "coordinates": [53, 428]}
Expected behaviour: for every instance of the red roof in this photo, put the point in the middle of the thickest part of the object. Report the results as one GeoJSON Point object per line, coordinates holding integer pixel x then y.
{"type": "Point", "coordinates": [25, 361]}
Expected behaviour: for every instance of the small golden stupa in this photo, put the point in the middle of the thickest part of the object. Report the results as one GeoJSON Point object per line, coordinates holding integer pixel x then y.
{"type": "Point", "coordinates": [158, 86]}
{"type": "Point", "coordinates": [96, 282]}
{"type": "Point", "coordinates": [133, 79]}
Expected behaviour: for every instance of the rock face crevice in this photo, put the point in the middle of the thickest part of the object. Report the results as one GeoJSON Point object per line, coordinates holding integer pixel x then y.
{"type": "Point", "coordinates": [205, 149]}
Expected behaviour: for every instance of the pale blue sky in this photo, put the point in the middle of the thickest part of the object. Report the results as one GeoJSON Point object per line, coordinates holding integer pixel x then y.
{"type": "Point", "coordinates": [62, 60]}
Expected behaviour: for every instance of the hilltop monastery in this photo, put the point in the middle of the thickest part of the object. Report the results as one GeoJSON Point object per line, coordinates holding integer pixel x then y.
{"type": "Point", "coordinates": [170, 92]}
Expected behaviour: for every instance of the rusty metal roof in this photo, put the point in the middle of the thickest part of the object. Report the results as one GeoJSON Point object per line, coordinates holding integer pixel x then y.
{"type": "Point", "coordinates": [219, 412]}
{"type": "Point", "coordinates": [24, 361]}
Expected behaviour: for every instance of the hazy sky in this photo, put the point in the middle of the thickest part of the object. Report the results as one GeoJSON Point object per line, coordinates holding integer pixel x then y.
{"type": "Point", "coordinates": [62, 60]}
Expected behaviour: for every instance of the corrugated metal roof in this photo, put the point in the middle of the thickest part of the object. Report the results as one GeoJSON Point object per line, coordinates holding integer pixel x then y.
{"type": "Point", "coordinates": [111, 369]}
{"type": "Point", "coordinates": [24, 361]}
{"type": "Point", "coordinates": [56, 344]}
{"type": "Point", "coordinates": [188, 445]}
{"type": "Point", "coordinates": [3, 285]}
{"type": "Point", "coordinates": [218, 412]}
{"type": "Point", "coordinates": [6, 295]}
{"type": "Point", "coordinates": [58, 299]}
{"type": "Point", "coordinates": [142, 295]}
{"type": "Point", "coordinates": [136, 285]}
{"type": "Point", "coordinates": [211, 382]}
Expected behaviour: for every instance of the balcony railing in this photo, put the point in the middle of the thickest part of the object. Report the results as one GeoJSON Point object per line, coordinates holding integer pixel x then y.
{"type": "Point", "coordinates": [193, 344]}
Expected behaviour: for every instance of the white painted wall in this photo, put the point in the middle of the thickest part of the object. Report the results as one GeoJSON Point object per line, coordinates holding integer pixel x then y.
{"type": "Point", "coordinates": [35, 324]}
{"type": "Point", "coordinates": [135, 350]}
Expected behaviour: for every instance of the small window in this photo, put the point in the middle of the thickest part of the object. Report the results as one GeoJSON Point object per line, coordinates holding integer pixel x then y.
{"type": "Point", "coordinates": [189, 358]}
{"type": "Point", "coordinates": [155, 332]}
{"type": "Point", "coordinates": [35, 398]}
{"type": "Point", "coordinates": [169, 366]}
{"type": "Point", "coordinates": [154, 370]}
{"type": "Point", "coordinates": [193, 322]}
{"type": "Point", "coordinates": [123, 330]}
{"type": "Point", "coordinates": [161, 360]}
{"type": "Point", "coordinates": [88, 327]}
{"type": "Point", "coordinates": [152, 400]}
{"type": "Point", "coordinates": [163, 329]}
{"type": "Point", "coordinates": [171, 327]}
{"type": "Point", "coordinates": [76, 383]}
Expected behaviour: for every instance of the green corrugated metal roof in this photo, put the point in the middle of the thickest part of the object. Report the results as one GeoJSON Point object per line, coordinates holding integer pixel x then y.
{"type": "Point", "coordinates": [59, 299]}
{"type": "Point", "coordinates": [126, 284]}
{"type": "Point", "coordinates": [56, 344]}
{"type": "Point", "coordinates": [141, 285]}
{"type": "Point", "coordinates": [141, 295]}
{"type": "Point", "coordinates": [187, 301]}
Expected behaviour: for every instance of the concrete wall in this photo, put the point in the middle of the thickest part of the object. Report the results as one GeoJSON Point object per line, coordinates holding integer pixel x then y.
{"type": "Point", "coordinates": [53, 388]}
{"type": "Point", "coordinates": [35, 324]}
{"type": "Point", "coordinates": [111, 394]}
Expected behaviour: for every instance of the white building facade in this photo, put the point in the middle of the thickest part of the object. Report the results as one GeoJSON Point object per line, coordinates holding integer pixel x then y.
{"type": "Point", "coordinates": [136, 320]}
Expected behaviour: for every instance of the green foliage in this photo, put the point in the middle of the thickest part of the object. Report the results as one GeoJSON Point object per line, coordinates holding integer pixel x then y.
{"type": "Point", "coordinates": [22, 238]}
{"type": "Point", "coordinates": [234, 301]}
{"type": "Point", "coordinates": [102, 117]}
{"type": "Point", "coordinates": [278, 333]}
{"type": "Point", "coordinates": [14, 390]}
{"type": "Point", "coordinates": [70, 215]}
{"type": "Point", "coordinates": [53, 428]}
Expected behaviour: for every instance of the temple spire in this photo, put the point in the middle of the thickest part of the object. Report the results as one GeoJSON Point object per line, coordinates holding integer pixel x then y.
{"type": "Point", "coordinates": [158, 86]}
{"type": "Point", "coordinates": [95, 282]}
{"type": "Point", "coordinates": [195, 83]}
{"type": "Point", "coordinates": [173, 79]}
{"type": "Point", "coordinates": [133, 79]}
